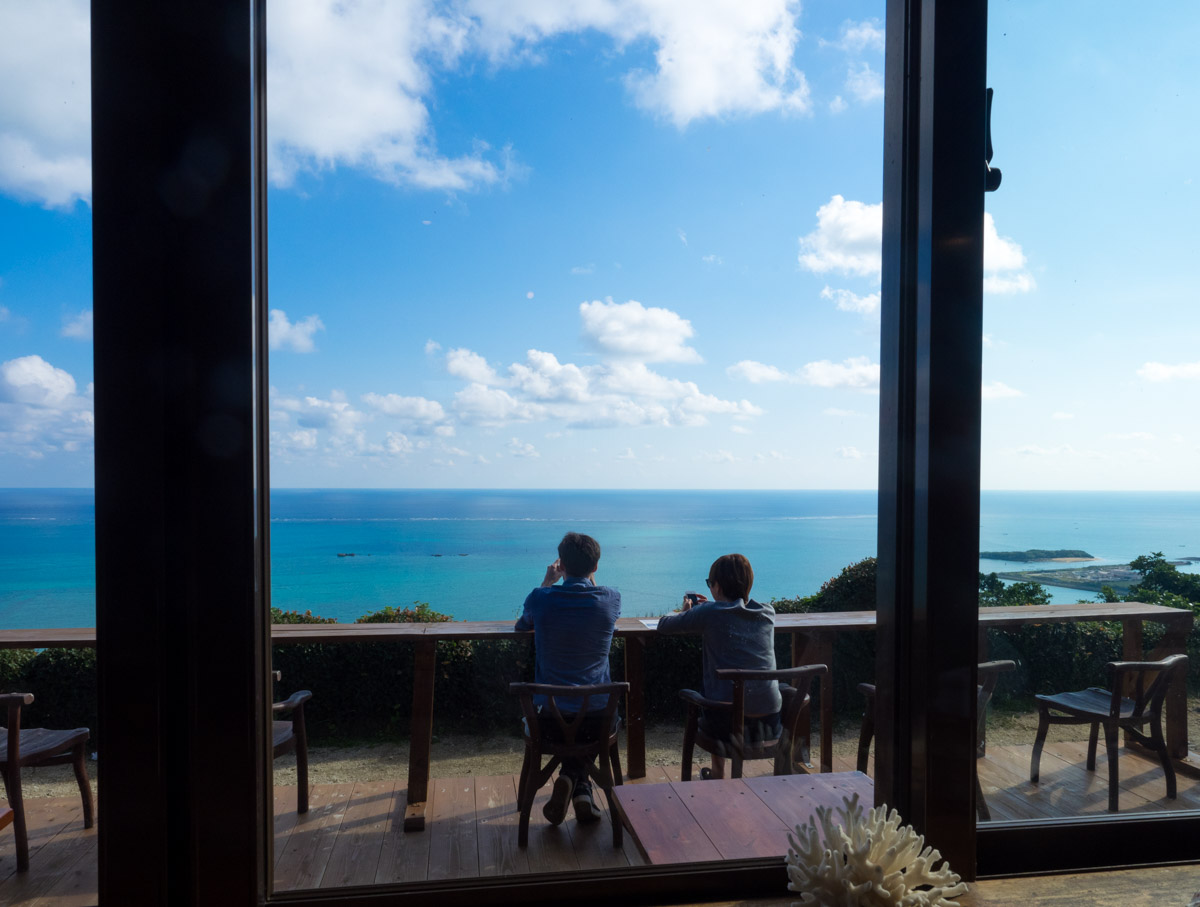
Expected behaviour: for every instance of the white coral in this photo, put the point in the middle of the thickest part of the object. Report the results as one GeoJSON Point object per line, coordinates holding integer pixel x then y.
{"type": "Point", "coordinates": [866, 862]}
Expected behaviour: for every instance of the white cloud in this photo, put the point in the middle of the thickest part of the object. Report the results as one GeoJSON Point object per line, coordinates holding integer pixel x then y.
{"type": "Point", "coordinates": [1059, 451]}
{"type": "Point", "coordinates": [45, 107]}
{"type": "Point", "coordinates": [34, 381]}
{"type": "Point", "coordinates": [628, 454]}
{"type": "Point", "coordinates": [1061, 416]}
{"type": "Point", "coordinates": [1130, 436]}
{"type": "Point", "coordinates": [484, 405]}
{"type": "Point", "coordinates": [757, 372]}
{"type": "Point", "coordinates": [1003, 262]}
{"type": "Point", "coordinates": [543, 377]}
{"type": "Point", "coordinates": [336, 416]}
{"type": "Point", "coordinates": [522, 449]}
{"type": "Point", "coordinates": [298, 337]}
{"type": "Point", "coordinates": [864, 83]}
{"type": "Point", "coordinates": [462, 363]}
{"type": "Point", "coordinates": [415, 409]}
{"type": "Point", "coordinates": [849, 453]}
{"type": "Point", "coordinates": [848, 239]}
{"type": "Point", "coordinates": [852, 302]}
{"type": "Point", "coordinates": [838, 105]}
{"type": "Point", "coordinates": [529, 295]}
{"type": "Point", "coordinates": [857, 372]}
{"type": "Point", "coordinates": [78, 326]}
{"type": "Point", "coordinates": [998, 390]}
{"type": "Point", "coordinates": [3, 311]}
{"type": "Point", "coordinates": [431, 347]}
{"type": "Point", "coordinates": [40, 409]}
{"type": "Point", "coordinates": [397, 444]}
{"type": "Point", "coordinates": [740, 430]}
{"type": "Point", "coordinates": [855, 37]}
{"type": "Point", "coordinates": [631, 330]}
{"type": "Point", "coordinates": [713, 260]}
{"type": "Point", "coordinates": [584, 269]}
{"type": "Point", "coordinates": [1160, 371]}
{"type": "Point", "coordinates": [682, 237]}
{"type": "Point", "coordinates": [718, 456]}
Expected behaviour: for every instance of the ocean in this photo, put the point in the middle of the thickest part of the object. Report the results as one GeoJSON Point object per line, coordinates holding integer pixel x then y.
{"type": "Point", "coordinates": [476, 554]}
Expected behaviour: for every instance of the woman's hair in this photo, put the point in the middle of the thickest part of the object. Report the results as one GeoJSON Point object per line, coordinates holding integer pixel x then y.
{"type": "Point", "coordinates": [735, 576]}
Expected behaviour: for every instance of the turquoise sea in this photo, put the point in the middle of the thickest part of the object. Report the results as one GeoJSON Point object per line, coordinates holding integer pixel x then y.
{"type": "Point", "coordinates": [475, 554]}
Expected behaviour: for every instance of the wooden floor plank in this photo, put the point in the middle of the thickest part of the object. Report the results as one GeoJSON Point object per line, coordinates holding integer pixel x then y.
{"type": "Point", "coordinates": [669, 832]}
{"type": "Point", "coordinates": [354, 859]}
{"type": "Point", "coordinates": [404, 855]}
{"type": "Point", "coordinates": [453, 840]}
{"type": "Point", "coordinates": [496, 815]}
{"type": "Point", "coordinates": [301, 862]}
{"type": "Point", "coordinates": [45, 819]}
{"type": "Point", "coordinates": [592, 842]}
{"type": "Point", "coordinates": [69, 854]}
{"type": "Point", "coordinates": [550, 848]}
{"type": "Point", "coordinates": [795, 798]}
{"type": "Point", "coordinates": [78, 884]}
{"type": "Point", "coordinates": [747, 829]}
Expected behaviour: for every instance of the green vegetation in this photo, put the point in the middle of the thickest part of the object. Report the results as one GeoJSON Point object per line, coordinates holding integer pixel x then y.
{"type": "Point", "coordinates": [1034, 554]}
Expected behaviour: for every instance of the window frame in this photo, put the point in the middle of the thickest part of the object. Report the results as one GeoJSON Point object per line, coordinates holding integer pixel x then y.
{"type": "Point", "coordinates": [184, 648]}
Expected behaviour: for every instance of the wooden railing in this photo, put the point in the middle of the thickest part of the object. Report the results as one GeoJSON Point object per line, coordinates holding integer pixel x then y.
{"type": "Point", "coordinates": [812, 637]}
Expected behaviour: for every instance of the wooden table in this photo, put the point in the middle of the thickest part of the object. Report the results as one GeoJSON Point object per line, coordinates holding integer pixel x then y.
{"type": "Point", "coordinates": [696, 821]}
{"type": "Point", "coordinates": [812, 643]}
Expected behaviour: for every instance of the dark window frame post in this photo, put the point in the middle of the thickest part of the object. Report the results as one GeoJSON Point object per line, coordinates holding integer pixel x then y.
{"type": "Point", "coordinates": [930, 366]}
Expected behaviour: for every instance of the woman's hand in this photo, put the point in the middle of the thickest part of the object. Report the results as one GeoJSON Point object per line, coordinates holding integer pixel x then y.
{"type": "Point", "coordinates": [691, 599]}
{"type": "Point", "coordinates": [553, 574]}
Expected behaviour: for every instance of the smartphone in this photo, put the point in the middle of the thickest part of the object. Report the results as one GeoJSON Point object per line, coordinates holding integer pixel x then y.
{"type": "Point", "coordinates": [692, 598]}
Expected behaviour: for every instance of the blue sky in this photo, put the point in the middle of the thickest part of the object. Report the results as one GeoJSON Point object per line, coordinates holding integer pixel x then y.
{"type": "Point", "coordinates": [623, 243]}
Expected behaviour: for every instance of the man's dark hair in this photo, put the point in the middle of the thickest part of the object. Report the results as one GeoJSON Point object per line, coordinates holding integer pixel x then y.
{"type": "Point", "coordinates": [578, 554]}
{"type": "Point", "coordinates": [733, 573]}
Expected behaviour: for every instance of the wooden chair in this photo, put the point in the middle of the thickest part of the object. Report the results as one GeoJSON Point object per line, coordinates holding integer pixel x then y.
{"type": "Point", "coordinates": [1096, 706]}
{"type": "Point", "coordinates": [36, 747]}
{"type": "Point", "coordinates": [606, 773]}
{"type": "Point", "coordinates": [794, 683]}
{"type": "Point", "coordinates": [989, 675]}
{"type": "Point", "coordinates": [290, 736]}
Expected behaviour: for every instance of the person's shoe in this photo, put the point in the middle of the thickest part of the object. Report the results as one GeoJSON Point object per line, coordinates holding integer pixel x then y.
{"type": "Point", "coordinates": [706, 774]}
{"type": "Point", "coordinates": [586, 810]}
{"type": "Point", "coordinates": [555, 809]}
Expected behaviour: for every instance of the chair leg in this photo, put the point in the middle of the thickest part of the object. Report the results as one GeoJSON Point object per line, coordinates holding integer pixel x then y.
{"type": "Point", "coordinates": [12, 789]}
{"type": "Point", "coordinates": [614, 756]}
{"type": "Point", "coordinates": [1160, 746]}
{"type": "Point", "coordinates": [525, 794]}
{"type": "Point", "coordinates": [301, 773]}
{"type": "Point", "coordinates": [1092, 739]}
{"type": "Point", "coordinates": [864, 740]}
{"type": "Point", "coordinates": [79, 762]}
{"type": "Point", "coordinates": [1112, 744]}
{"type": "Point", "coordinates": [1038, 742]}
{"type": "Point", "coordinates": [604, 775]}
{"type": "Point", "coordinates": [689, 746]}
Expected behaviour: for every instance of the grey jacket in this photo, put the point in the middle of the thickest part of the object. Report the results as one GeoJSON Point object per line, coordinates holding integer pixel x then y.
{"type": "Point", "coordinates": [735, 635]}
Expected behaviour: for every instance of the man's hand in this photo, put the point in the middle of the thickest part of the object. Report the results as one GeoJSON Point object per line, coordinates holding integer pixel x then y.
{"type": "Point", "coordinates": [692, 599]}
{"type": "Point", "coordinates": [553, 574]}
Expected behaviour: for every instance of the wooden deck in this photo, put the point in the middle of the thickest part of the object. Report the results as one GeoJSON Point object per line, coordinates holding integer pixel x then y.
{"type": "Point", "coordinates": [353, 833]}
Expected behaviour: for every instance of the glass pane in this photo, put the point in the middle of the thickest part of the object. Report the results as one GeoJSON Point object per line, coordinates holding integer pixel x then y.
{"type": "Point", "coordinates": [47, 516]}
{"type": "Point", "coordinates": [1090, 359]}
{"type": "Point", "coordinates": [549, 269]}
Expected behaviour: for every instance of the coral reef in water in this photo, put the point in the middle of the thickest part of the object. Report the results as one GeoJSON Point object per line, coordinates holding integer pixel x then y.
{"type": "Point", "coordinates": [866, 861]}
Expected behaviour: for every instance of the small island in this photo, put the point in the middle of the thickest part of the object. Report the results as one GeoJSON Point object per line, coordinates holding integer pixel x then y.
{"type": "Point", "coordinates": [1038, 554]}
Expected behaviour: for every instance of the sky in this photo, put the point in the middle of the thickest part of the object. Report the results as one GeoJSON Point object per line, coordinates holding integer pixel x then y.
{"type": "Point", "coordinates": [636, 244]}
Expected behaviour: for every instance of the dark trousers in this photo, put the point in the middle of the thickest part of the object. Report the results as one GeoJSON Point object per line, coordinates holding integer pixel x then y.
{"type": "Point", "coordinates": [717, 723]}
{"type": "Point", "coordinates": [590, 730]}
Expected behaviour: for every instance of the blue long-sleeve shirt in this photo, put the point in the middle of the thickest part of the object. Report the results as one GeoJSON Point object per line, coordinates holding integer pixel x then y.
{"type": "Point", "coordinates": [735, 634]}
{"type": "Point", "coordinates": [573, 624]}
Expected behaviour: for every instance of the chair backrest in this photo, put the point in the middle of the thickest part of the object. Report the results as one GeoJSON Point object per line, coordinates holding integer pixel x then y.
{"type": "Point", "coordinates": [798, 679]}
{"type": "Point", "coordinates": [568, 729]}
{"type": "Point", "coordinates": [11, 703]}
{"type": "Point", "coordinates": [1144, 696]}
{"type": "Point", "coordinates": [989, 675]}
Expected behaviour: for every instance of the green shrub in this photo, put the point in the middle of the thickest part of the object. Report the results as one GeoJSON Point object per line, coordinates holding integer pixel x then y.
{"type": "Point", "coordinates": [63, 684]}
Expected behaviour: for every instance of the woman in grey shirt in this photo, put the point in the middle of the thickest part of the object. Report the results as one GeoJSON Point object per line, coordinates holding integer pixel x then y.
{"type": "Point", "coordinates": [737, 632]}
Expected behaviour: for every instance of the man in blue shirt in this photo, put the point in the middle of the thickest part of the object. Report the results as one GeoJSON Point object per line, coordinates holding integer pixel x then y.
{"type": "Point", "coordinates": [573, 627]}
